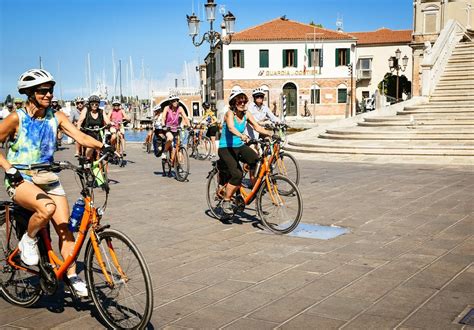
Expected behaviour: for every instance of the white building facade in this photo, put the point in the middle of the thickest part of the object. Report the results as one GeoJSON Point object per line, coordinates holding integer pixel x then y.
{"type": "Point", "coordinates": [306, 64]}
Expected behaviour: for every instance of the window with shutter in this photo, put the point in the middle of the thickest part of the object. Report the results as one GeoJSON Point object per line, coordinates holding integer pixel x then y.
{"type": "Point", "coordinates": [341, 95]}
{"type": "Point", "coordinates": [264, 58]}
{"type": "Point", "coordinates": [236, 58]}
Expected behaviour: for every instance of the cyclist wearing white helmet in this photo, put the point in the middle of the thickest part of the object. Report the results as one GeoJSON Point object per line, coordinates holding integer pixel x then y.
{"type": "Point", "coordinates": [116, 117]}
{"type": "Point", "coordinates": [209, 118]}
{"type": "Point", "coordinates": [232, 147]}
{"type": "Point", "coordinates": [34, 128]}
{"type": "Point", "coordinates": [74, 118]}
{"type": "Point", "coordinates": [171, 119]}
{"type": "Point", "coordinates": [260, 111]}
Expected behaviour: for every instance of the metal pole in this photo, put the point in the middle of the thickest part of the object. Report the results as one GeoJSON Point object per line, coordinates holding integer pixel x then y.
{"type": "Point", "coordinates": [314, 74]}
{"type": "Point", "coordinates": [213, 95]}
{"type": "Point", "coordinates": [397, 83]}
{"type": "Point", "coordinates": [120, 80]}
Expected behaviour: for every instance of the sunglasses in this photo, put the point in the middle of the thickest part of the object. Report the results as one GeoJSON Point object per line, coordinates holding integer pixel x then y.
{"type": "Point", "coordinates": [94, 103]}
{"type": "Point", "coordinates": [77, 103]}
{"type": "Point", "coordinates": [241, 102]}
{"type": "Point", "coordinates": [44, 91]}
{"type": "Point", "coordinates": [259, 96]}
{"type": "Point", "coordinates": [18, 103]}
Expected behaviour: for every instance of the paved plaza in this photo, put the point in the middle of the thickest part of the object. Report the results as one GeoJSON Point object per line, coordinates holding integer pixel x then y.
{"type": "Point", "coordinates": [406, 263]}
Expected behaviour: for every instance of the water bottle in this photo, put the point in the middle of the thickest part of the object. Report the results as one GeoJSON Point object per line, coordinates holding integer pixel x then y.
{"type": "Point", "coordinates": [76, 215]}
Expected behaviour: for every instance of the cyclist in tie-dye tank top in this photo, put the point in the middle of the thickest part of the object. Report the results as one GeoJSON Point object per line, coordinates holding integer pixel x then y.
{"type": "Point", "coordinates": [33, 132]}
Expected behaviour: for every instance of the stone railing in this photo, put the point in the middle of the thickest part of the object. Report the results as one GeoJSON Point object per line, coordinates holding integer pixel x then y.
{"type": "Point", "coordinates": [436, 58]}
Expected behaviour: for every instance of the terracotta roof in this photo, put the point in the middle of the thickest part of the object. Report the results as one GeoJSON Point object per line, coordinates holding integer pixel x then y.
{"type": "Point", "coordinates": [285, 29]}
{"type": "Point", "coordinates": [383, 36]}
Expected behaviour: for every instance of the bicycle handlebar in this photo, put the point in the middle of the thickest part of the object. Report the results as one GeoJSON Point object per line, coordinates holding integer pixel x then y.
{"type": "Point", "coordinates": [95, 129]}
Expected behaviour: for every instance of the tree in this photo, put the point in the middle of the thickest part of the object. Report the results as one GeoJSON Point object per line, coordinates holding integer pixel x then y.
{"type": "Point", "coordinates": [314, 24]}
{"type": "Point", "coordinates": [389, 84]}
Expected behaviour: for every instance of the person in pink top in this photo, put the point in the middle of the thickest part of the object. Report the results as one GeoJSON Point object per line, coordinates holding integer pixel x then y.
{"type": "Point", "coordinates": [170, 119]}
{"type": "Point", "coordinates": [116, 117]}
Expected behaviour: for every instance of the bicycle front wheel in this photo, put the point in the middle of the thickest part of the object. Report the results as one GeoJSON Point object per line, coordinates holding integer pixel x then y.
{"type": "Point", "coordinates": [204, 148]}
{"type": "Point", "coordinates": [18, 287]}
{"type": "Point", "coordinates": [181, 164]}
{"type": "Point", "coordinates": [119, 281]}
{"type": "Point", "coordinates": [287, 165]}
{"type": "Point", "coordinates": [279, 210]}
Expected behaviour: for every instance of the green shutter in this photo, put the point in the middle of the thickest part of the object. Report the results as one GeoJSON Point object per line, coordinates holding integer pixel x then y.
{"type": "Point", "coordinates": [321, 57]}
{"type": "Point", "coordinates": [242, 59]}
{"type": "Point", "coordinates": [337, 57]}
{"type": "Point", "coordinates": [230, 59]}
{"type": "Point", "coordinates": [296, 58]}
{"type": "Point", "coordinates": [348, 56]}
{"type": "Point", "coordinates": [310, 57]}
{"type": "Point", "coordinates": [264, 58]}
{"type": "Point", "coordinates": [284, 58]}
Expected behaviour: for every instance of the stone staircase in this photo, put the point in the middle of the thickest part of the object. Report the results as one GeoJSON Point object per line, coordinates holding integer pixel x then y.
{"type": "Point", "coordinates": [442, 127]}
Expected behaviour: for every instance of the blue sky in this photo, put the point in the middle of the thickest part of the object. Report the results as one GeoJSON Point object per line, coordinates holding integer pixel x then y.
{"type": "Point", "coordinates": [152, 32]}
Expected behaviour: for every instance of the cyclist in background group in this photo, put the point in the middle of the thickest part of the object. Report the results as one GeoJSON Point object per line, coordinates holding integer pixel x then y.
{"type": "Point", "coordinates": [35, 129]}
{"type": "Point", "coordinates": [93, 118]}
{"type": "Point", "coordinates": [74, 118]}
{"type": "Point", "coordinates": [9, 108]}
{"type": "Point", "coordinates": [209, 118]}
{"type": "Point", "coordinates": [171, 119]}
{"type": "Point", "coordinates": [18, 103]}
{"type": "Point", "coordinates": [260, 112]}
{"type": "Point", "coordinates": [116, 117]}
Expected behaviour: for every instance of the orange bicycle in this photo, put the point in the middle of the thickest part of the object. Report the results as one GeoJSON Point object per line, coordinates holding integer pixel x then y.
{"type": "Point", "coordinates": [116, 273]}
{"type": "Point", "coordinates": [278, 200]}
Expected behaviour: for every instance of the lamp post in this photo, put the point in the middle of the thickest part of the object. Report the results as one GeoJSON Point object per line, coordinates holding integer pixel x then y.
{"type": "Point", "coordinates": [394, 65]}
{"type": "Point", "coordinates": [213, 37]}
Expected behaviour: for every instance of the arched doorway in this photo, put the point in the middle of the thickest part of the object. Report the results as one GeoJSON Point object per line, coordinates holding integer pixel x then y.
{"type": "Point", "coordinates": [289, 90]}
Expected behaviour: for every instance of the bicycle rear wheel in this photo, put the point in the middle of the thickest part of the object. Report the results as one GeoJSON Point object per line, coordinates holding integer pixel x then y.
{"type": "Point", "coordinates": [125, 299]}
{"type": "Point", "coordinates": [286, 165]}
{"type": "Point", "coordinates": [203, 148]}
{"type": "Point", "coordinates": [18, 287]}
{"type": "Point", "coordinates": [215, 195]}
{"type": "Point", "coordinates": [181, 164]}
{"type": "Point", "coordinates": [279, 210]}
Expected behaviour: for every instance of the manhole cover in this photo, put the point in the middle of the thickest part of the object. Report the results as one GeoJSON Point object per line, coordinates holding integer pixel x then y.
{"type": "Point", "coordinates": [317, 231]}
{"type": "Point", "coordinates": [467, 318]}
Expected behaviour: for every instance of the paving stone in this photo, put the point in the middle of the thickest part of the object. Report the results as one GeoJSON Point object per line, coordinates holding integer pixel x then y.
{"type": "Point", "coordinates": [210, 318]}
{"type": "Point", "coordinates": [435, 320]}
{"type": "Point", "coordinates": [286, 281]}
{"type": "Point", "coordinates": [340, 308]}
{"type": "Point", "coordinates": [400, 302]}
{"type": "Point", "coordinates": [375, 322]}
{"type": "Point", "coordinates": [282, 309]}
{"type": "Point", "coordinates": [308, 321]}
{"type": "Point", "coordinates": [250, 324]}
{"type": "Point", "coordinates": [247, 301]}
{"type": "Point", "coordinates": [369, 288]}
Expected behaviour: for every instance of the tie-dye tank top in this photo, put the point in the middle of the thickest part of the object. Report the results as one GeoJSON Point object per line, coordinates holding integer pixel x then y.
{"type": "Point", "coordinates": [35, 142]}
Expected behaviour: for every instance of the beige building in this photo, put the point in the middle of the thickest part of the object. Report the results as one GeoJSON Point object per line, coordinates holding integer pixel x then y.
{"type": "Point", "coordinates": [374, 48]}
{"type": "Point", "coordinates": [429, 19]}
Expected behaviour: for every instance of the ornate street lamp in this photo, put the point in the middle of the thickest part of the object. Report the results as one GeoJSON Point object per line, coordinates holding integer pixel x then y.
{"type": "Point", "coordinates": [393, 64]}
{"type": "Point", "coordinates": [213, 37]}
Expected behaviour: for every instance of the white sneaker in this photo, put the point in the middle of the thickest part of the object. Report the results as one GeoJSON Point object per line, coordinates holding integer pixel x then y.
{"type": "Point", "coordinates": [79, 285]}
{"type": "Point", "coordinates": [163, 155]}
{"type": "Point", "coordinates": [29, 250]}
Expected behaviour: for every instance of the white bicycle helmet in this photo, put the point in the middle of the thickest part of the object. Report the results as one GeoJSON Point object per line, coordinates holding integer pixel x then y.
{"type": "Point", "coordinates": [116, 101]}
{"type": "Point", "coordinates": [258, 91]}
{"type": "Point", "coordinates": [79, 99]}
{"type": "Point", "coordinates": [156, 108]}
{"type": "Point", "coordinates": [54, 99]}
{"type": "Point", "coordinates": [173, 97]}
{"type": "Point", "coordinates": [32, 78]}
{"type": "Point", "coordinates": [234, 92]}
